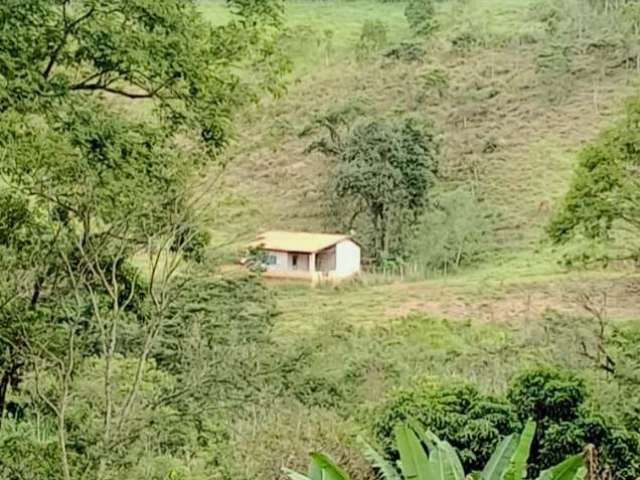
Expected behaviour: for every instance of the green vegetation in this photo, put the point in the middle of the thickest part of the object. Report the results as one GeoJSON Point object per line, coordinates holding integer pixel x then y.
{"type": "Point", "coordinates": [474, 423]}
{"type": "Point", "coordinates": [384, 172]}
{"type": "Point", "coordinates": [602, 202]}
{"type": "Point", "coordinates": [441, 461]}
{"type": "Point", "coordinates": [479, 150]}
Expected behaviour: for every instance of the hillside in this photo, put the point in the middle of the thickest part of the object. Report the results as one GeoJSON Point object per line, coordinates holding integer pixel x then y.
{"type": "Point", "coordinates": [511, 119]}
{"type": "Point", "coordinates": [508, 128]}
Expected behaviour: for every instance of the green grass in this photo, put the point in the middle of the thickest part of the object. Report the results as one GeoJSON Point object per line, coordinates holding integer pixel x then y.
{"type": "Point", "coordinates": [495, 91]}
{"type": "Point", "coordinates": [326, 32]}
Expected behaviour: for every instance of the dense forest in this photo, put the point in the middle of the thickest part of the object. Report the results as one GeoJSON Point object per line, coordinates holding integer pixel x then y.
{"type": "Point", "coordinates": [485, 156]}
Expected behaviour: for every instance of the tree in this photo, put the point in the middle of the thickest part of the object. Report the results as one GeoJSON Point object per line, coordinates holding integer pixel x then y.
{"type": "Point", "coordinates": [384, 171]}
{"type": "Point", "coordinates": [107, 110]}
{"type": "Point", "coordinates": [603, 201]}
{"type": "Point", "coordinates": [472, 422]}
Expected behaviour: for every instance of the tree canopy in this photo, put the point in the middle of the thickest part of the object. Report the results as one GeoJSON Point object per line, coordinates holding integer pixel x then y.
{"type": "Point", "coordinates": [107, 110]}
{"type": "Point", "coordinates": [384, 172]}
{"type": "Point", "coordinates": [604, 198]}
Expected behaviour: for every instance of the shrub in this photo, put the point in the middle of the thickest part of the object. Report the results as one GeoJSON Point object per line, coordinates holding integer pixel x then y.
{"type": "Point", "coordinates": [440, 461]}
{"type": "Point", "coordinates": [28, 451]}
{"type": "Point", "coordinates": [472, 422]}
{"type": "Point", "coordinates": [406, 52]}
{"type": "Point", "coordinates": [452, 232]}
{"type": "Point", "coordinates": [372, 38]}
{"type": "Point", "coordinates": [557, 400]}
{"type": "Point", "coordinates": [421, 16]}
{"type": "Point", "coordinates": [547, 396]}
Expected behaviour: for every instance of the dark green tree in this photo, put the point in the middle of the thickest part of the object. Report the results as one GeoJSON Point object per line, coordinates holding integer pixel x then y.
{"type": "Point", "coordinates": [384, 172]}
{"type": "Point", "coordinates": [472, 422]}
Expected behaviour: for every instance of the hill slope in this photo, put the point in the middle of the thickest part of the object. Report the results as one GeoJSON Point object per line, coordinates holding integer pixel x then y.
{"type": "Point", "coordinates": [510, 126]}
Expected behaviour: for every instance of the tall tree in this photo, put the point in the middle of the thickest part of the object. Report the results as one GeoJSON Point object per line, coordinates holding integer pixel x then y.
{"type": "Point", "coordinates": [107, 109]}
{"type": "Point", "coordinates": [385, 170]}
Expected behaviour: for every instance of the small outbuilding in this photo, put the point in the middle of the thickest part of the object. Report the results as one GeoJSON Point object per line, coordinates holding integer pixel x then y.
{"type": "Point", "coordinates": [316, 257]}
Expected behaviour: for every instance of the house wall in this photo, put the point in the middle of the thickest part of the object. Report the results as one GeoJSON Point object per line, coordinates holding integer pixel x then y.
{"type": "Point", "coordinates": [326, 260]}
{"type": "Point", "coordinates": [302, 262]}
{"type": "Point", "coordinates": [347, 258]}
{"type": "Point", "coordinates": [340, 261]}
{"type": "Point", "coordinates": [282, 261]}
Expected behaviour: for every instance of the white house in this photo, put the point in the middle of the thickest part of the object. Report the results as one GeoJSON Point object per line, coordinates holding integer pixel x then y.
{"type": "Point", "coordinates": [316, 257]}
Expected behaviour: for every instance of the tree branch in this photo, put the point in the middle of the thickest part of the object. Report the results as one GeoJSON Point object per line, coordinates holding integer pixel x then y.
{"type": "Point", "coordinates": [68, 29]}
{"type": "Point", "coordinates": [115, 91]}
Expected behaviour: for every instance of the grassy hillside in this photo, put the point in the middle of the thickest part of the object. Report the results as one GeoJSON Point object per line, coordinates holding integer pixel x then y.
{"type": "Point", "coordinates": [512, 115]}
{"type": "Point", "coordinates": [510, 127]}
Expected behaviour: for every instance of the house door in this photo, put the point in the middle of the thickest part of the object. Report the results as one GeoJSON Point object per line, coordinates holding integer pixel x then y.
{"type": "Point", "coordinates": [298, 261]}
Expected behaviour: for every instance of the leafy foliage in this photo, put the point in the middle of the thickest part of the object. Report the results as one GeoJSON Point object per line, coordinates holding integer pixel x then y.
{"type": "Point", "coordinates": [439, 461]}
{"type": "Point", "coordinates": [90, 191]}
{"type": "Point", "coordinates": [473, 423]}
{"type": "Point", "coordinates": [406, 52]}
{"type": "Point", "coordinates": [603, 198]}
{"type": "Point", "coordinates": [384, 173]}
{"type": "Point", "coordinates": [454, 231]}
{"type": "Point", "coordinates": [372, 38]}
{"type": "Point", "coordinates": [557, 400]}
{"type": "Point", "coordinates": [421, 16]}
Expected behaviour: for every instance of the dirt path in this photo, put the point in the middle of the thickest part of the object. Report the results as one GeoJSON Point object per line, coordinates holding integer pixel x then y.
{"type": "Point", "coordinates": [460, 298]}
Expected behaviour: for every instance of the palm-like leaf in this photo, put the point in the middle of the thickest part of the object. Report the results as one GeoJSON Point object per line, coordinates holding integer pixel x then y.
{"type": "Point", "coordinates": [508, 462]}
{"type": "Point", "coordinates": [572, 468]}
{"type": "Point", "coordinates": [321, 468]}
{"type": "Point", "coordinates": [517, 469]}
{"type": "Point", "coordinates": [444, 463]}
{"type": "Point", "coordinates": [501, 458]}
{"type": "Point", "coordinates": [413, 459]}
{"type": "Point", "coordinates": [293, 475]}
{"type": "Point", "coordinates": [385, 468]}
{"type": "Point", "coordinates": [327, 468]}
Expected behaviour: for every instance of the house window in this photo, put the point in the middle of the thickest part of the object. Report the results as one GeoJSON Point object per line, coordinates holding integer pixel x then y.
{"type": "Point", "coordinates": [294, 260]}
{"type": "Point", "coordinates": [271, 260]}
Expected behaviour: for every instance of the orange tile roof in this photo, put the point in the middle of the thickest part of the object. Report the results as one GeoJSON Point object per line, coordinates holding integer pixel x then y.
{"type": "Point", "coordinates": [297, 241]}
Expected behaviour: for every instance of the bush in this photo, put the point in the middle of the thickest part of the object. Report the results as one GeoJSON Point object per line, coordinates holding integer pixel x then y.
{"type": "Point", "coordinates": [557, 400]}
{"type": "Point", "coordinates": [547, 396]}
{"type": "Point", "coordinates": [452, 232]}
{"type": "Point", "coordinates": [421, 16]}
{"type": "Point", "coordinates": [406, 52]}
{"type": "Point", "coordinates": [284, 434]}
{"type": "Point", "coordinates": [28, 451]}
{"type": "Point", "coordinates": [372, 38]}
{"type": "Point", "coordinates": [472, 422]}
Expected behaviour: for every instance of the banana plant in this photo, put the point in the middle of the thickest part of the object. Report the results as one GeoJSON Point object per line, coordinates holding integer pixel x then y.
{"type": "Point", "coordinates": [321, 468]}
{"type": "Point", "coordinates": [439, 460]}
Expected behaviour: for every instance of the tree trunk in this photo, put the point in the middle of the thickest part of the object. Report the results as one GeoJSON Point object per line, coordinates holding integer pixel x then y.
{"type": "Point", "coordinates": [8, 377]}
{"type": "Point", "coordinates": [4, 387]}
